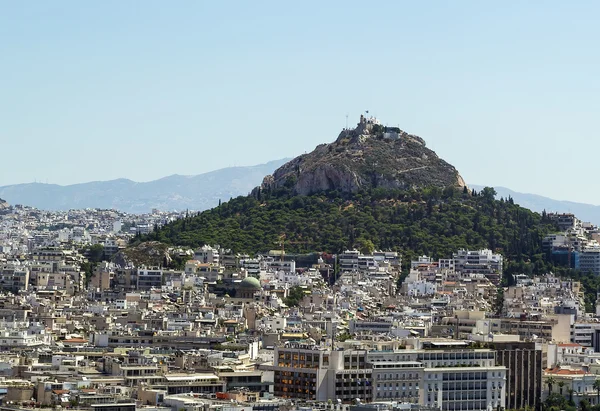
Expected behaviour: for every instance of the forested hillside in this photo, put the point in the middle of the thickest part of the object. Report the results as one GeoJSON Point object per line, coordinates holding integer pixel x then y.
{"type": "Point", "coordinates": [429, 221]}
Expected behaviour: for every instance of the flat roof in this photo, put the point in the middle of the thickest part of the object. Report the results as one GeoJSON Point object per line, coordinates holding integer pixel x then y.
{"type": "Point", "coordinates": [187, 377]}
{"type": "Point", "coordinates": [442, 343]}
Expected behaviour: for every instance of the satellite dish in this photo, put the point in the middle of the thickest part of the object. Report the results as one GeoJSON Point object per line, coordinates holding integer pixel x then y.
{"type": "Point", "coordinates": [154, 360]}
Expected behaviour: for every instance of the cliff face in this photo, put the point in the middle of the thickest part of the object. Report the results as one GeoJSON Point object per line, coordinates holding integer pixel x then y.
{"type": "Point", "coordinates": [368, 156]}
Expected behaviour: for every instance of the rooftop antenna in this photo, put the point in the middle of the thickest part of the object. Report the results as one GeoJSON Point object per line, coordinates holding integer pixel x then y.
{"type": "Point", "coordinates": [346, 121]}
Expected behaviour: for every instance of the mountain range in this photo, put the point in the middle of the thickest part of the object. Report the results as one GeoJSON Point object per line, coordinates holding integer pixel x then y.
{"type": "Point", "coordinates": [176, 192]}
{"type": "Point", "coordinates": [534, 202]}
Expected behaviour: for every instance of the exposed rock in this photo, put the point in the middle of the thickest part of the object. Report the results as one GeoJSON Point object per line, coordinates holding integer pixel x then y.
{"type": "Point", "coordinates": [368, 156]}
{"type": "Point", "coordinates": [150, 253]}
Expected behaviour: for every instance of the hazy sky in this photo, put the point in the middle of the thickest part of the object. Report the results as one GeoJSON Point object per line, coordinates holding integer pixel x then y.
{"type": "Point", "coordinates": [508, 92]}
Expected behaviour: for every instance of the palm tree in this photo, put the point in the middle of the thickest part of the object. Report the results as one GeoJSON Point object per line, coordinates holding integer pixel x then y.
{"type": "Point", "coordinates": [597, 388]}
{"type": "Point", "coordinates": [570, 391]}
{"type": "Point", "coordinates": [550, 381]}
{"type": "Point", "coordinates": [561, 384]}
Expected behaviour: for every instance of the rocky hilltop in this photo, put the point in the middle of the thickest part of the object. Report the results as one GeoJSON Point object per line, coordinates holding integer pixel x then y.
{"type": "Point", "coordinates": [368, 156]}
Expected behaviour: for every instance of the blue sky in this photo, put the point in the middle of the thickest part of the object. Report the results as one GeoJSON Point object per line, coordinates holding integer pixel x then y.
{"type": "Point", "coordinates": [508, 92]}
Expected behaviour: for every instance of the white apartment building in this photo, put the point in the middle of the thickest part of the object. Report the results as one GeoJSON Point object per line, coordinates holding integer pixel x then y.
{"type": "Point", "coordinates": [291, 278]}
{"type": "Point", "coordinates": [477, 261]}
{"type": "Point", "coordinates": [148, 278]}
{"type": "Point", "coordinates": [392, 257]}
{"type": "Point", "coordinates": [397, 375]}
{"type": "Point", "coordinates": [353, 260]}
{"type": "Point", "coordinates": [22, 335]}
{"type": "Point", "coordinates": [348, 260]}
{"type": "Point", "coordinates": [207, 254]}
{"type": "Point", "coordinates": [421, 261]}
{"type": "Point", "coordinates": [565, 221]}
{"type": "Point", "coordinates": [251, 265]}
{"type": "Point", "coordinates": [589, 259]}
{"type": "Point", "coordinates": [370, 326]}
{"type": "Point", "coordinates": [462, 380]}
{"type": "Point", "coordinates": [286, 266]}
{"type": "Point", "coordinates": [420, 288]}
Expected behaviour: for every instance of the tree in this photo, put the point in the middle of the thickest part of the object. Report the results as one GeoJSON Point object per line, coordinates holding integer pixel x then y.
{"type": "Point", "coordinates": [499, 301]}
{"type": "Point", "coordinates": [555, 401]}
{"type": "Point", "coordinates": [597, 388]}
{"type": "Point", "coordinates": [95, 253]}
{"type": "Point", "coordinates": [488, 193]}
{"type": "Point", "coordinates": [570, 391]}
{"type": "Point", "coordinates": [561, 384]}
{"type": "Point", "coordinates": [397, 220]}
{"type": "Point", "coordinates": [344, 336]}
{"type": "Point", "coordinates": [584, 405]}
{"type": "Point", "coordinates": [295, 295]}
{"type": "Point", "coordinates": [365, 246]}
{"type": "Point", "coordinates": [550, 381]}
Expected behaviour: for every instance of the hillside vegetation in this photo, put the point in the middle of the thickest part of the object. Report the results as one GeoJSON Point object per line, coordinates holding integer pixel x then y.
{"type": "Point", "coordinates": [430, 221]}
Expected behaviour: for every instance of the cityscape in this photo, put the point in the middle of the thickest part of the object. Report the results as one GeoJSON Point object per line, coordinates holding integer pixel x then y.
{"type": "Point", "coordinates": [97, 314]}
{"type": "Point", "coordinates": [299, 206]}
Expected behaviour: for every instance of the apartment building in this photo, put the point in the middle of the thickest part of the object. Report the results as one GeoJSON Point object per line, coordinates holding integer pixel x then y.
{"type": "Point", "coordinates": [148, 278]}
{"type": "Point", "coordinates": [565, 221]}
{"type": "Point", "coordinates": [306, 371]}
{"type": "Point", "coordinates": [348, 261]}
{"type": "Point", "coordinates": [371, 326]}
{"type": "Point", "coordinates": [285, 266]}
{"type": "Point", "coordinates": [397, 375]}
{"type": "Point", "coordinates": [462, 379]}
{"type": "Point", "coordinates": [589, 260]}
{"type": "Point", "coordinates": [551, 328]}
{"type": "Point", "coordinates": [479, 262]}
{"type": "Point", "coordinates": [441, 374]}
{"type": "Point", "coordinates": [14, 277]}
{"type": "Point", "coordinates": [207, 254]}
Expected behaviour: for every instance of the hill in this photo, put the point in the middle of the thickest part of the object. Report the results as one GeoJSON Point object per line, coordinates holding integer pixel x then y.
{"type": "Point", "coordinates": [371, 188]}
{"type": "Point", "coordinates": [427, 221]}
{"type": "Point", "coordinates": [368, 156]}
{"type": "Point", "coordinates": [175, 192]}
{"type": "Point", "coordinates": [534, 202]}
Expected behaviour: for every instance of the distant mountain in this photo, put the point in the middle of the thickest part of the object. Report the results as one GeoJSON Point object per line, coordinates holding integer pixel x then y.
{"type": "Point", "coordinates": [176, 192]}
{"type": "Point", "coordinates": [534, 202]}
